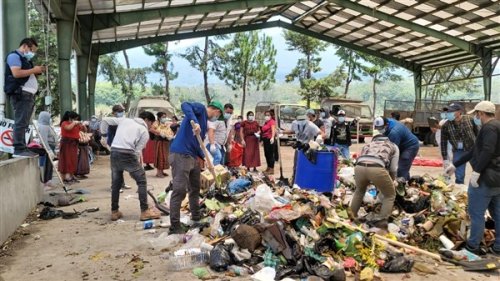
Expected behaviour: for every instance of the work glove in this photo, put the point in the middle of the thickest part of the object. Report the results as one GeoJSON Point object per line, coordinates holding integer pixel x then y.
{"type": "Point", "coordinates": [446, 164]}
{"type": "Point", "coordinates": [243, 143]}
{"type": "Point", "coordinates": [450, 170]}
{"type": "Point", "coordinates": [196, 129]}
{"type": "Point", "coordinates": [474, 178]}
{"type": "Point", "coordinates": [271, 141]}
{"type": "Point", "coordinates": [213, 148]}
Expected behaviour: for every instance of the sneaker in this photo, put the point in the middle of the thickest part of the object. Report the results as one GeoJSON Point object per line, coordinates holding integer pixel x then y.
{"type": "Point", "coordinates": [150, 214]}
{"type": "Point", "coordinates": [116, 215]}
{"type": "Point", "coordinates": [126, 186]}
{"type": "Point", "coordinates": [494, 252]}
{"type": "Point", "coordinates": [478, 251]}
{"type": "Point", "coordinates": [24, 154]}
{"type": "Point", "coordinates": [176, 230]}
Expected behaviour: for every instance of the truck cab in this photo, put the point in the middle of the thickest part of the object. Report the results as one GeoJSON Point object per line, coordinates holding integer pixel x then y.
{"type": "Point", "coordinates": [285, 114]}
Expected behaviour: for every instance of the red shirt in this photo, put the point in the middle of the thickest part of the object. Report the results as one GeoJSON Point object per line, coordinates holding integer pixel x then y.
{"type": "Point", "coordinates": [267, 131]}
{"type": "Point", "coordinates": [71, 134]}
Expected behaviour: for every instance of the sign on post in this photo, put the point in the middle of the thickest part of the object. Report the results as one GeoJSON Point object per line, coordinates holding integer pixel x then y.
{"type": "Point", "coordinates": [7, 135]}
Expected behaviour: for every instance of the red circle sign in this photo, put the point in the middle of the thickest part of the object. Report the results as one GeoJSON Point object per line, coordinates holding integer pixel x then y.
{"type": "Point", "coordinates": [6, 138]}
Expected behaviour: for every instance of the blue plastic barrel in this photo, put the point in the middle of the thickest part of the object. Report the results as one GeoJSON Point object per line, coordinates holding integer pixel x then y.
{"type": "Point", "coordinates": [319, 176]}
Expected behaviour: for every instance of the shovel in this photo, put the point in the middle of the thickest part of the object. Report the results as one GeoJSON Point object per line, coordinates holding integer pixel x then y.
{"type": "Point", "coordinates": [282, 179]}
{"type": "Point", "coordinates": [205, 152]}
{"type": "Point", "coordinates": [49, 156]}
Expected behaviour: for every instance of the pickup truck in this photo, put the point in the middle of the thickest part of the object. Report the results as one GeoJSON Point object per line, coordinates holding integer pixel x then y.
{"type": "Point", "coordinates": [285, 114]}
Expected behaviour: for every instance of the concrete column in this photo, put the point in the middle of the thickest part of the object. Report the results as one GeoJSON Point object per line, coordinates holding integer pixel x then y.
{"type": "Point", "coordinates": [13, 16]}
{"type": "Point", "coordinates": [417, 80]}
{"type": "Point", "coordinates": [65, 30]}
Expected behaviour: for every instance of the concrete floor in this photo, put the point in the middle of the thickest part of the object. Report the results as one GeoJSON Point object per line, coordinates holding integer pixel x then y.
{"type": "Point", "coordinates": [92, 247]}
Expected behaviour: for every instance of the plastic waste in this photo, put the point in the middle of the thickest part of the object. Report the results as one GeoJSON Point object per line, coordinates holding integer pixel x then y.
{"type": "Point", "coordinates": [366, 274]}
{"type": "Point", "coordinates": [165, 241]}
{"type": "Point", "coordinates": [263, 200]}
{"type": "Point", "coordinates": [149, 224]}
{"type": "Point", "coordinates": [265, 274]}
{"type": "Point", "coordinates": [311, 233]}
{"type": "Point", "coordinates": [438, 202]}
{"type": "Point", "coordinates": [447, 243]}
{"type": "Point", "coordinates": [201, 272]}
{"type": "Point", "coordinates": [462, 255]}
{"type": "Point", "coordinates": [193, 239]}
{"type": "Point", "coordinates": [370, 195]}
{"type": "Point", "coordinates": [215, 227]}
{"type": "Point", "coordinates": [185, 259]}
{"type": "Point", "coordinates": [238, 270]}
{"type": "Point", "coordinates": [161, 197]}
{"type": "Point", "coordinates": [220, 258]}
{"type": "Point", "coordinates": [397, 264]}
{"type": "Point", "coordinates": [239, 185]}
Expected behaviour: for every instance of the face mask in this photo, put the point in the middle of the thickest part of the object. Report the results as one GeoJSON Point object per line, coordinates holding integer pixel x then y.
{"type": "Point", "coordinates": [93, 119]}
{"type": "Point", "coordinates": [382, 131]}
{"type": "Point", "coordinates": [120, 114]}
{"type": "Point", "coordinates": [341, 119]}
{"type": "Point", "coordinates": [322, 114]}
{"type": "Point", "coordinates": [450, 116]}
{"type": "Point", "coordinates": [29, 55]}
{"type": "Point", "coordinates": [477, 121]}
{"type": "Point", "coordinates": [267, 118]}
{"type": "Point", "coordinates": [227, 116]}
{"type": "Point", "coordinates": [240, 120]}
{"type": "Point", "coordinates": [213, 119]}
{"type": "Point", "coordinates": [251, 118]}
{"type": "Point", "coordinates": [443, 115]}
{"type": "Point", "coordinates": [163, 120]}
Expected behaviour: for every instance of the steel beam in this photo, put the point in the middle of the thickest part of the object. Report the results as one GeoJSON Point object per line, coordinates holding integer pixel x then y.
{"type": "Point", "coordinates": [417, 80]}
{"type": "Point", "coordinates": [104, 21]}
{"type": "Point", "coordinates": [65, 30]}
{"type": "Point", "coordinates": [462, 44]}
{"type": "Point", "coordinates": [487, 67]}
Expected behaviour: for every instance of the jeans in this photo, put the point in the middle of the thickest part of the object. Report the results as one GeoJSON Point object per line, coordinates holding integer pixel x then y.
{"type": "Point", "coordinates": [460, 171]}
{"type": "Point", "coordinates": [344, 150]}
{"type": "Point", "coordinates": [127, 161]}
{"type": "Point", "coordinates": [23, 105]}
{"type": "Point", "coordinates": [480, 199]}
{"type": "Point", "coordinates": [185, 179]}
{"type": "Point", "coordinates": [269, 151]}
{"type": "Point", "coordinates": [217, 155]}
{"type": "Point", "coordinates": [406, 158]}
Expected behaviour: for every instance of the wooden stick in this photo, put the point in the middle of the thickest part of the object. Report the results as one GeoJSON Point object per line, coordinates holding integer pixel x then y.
{"type": "Point", "coordinates": [390, 241]}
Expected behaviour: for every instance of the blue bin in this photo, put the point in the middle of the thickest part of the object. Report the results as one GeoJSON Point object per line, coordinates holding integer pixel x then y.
{"type": "Point", "coordinates": [320, 176]}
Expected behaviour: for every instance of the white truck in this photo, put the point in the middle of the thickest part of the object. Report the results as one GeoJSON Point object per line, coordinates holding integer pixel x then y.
{"type": "Point", "coordinates": [285, 115]}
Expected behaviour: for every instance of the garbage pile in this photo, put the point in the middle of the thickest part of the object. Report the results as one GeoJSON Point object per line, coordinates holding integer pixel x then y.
{"type": "Point", "coordinates": [255, 226]}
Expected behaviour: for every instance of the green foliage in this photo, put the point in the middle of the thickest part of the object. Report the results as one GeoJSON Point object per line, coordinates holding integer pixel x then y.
{"type": "Point", "coordinates": [248, 60]}
{"type": "Point", "coordinates": [162, 65]}
{"type": "Point", "coordinates": [207, 60]}
{"type": "Point", "coordinates": [47, 44]}
{"type": "Point", "coordinates": [311, 89]}
{"type": "Point", "coordinates": [130, 80]}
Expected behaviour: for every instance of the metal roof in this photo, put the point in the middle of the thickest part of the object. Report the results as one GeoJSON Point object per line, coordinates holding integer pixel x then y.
{"type": "Point", "coordinates": [409, 33]}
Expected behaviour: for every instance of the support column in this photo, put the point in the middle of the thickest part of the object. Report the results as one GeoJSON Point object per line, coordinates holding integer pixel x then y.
{"type": "Point", "coordinates": [83, 102]}
{"type": "Point", "coordinates": [65, 29]}
{"type": "Point", "coordinates": [92, 76]}
{"type": "Point", "coordinates": [14, 21]}
{"type": "Point", "coordinates": [487, 67]}
{"type": "Point", "coordinates": [417, 80]}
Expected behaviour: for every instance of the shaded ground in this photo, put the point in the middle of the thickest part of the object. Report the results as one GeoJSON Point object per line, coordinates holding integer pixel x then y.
{"type": "Point", "coordinates": [92, 247]}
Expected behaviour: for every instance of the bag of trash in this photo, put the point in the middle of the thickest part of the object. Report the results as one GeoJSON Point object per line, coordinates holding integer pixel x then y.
{"type": "Point", "coordinates": [263, 200]}
{"type": "Point", "coordinates": [397, 264]}
{"type": "Point", "coordinates": [239, 185]}
{"type": "Point", "coordinates": [220, 258]}
{"type": "Point", "coordinates": [246, 237]}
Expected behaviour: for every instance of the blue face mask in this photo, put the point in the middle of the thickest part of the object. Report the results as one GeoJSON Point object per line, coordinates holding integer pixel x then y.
{"type": "Point", "coordinates": [227, 116]}
{"type": "Point", "coordinates": [450, 116]}
{"type": "Point", "coordinates": [443, 115]}
{"type": "Point", "coordinates": [381, 131]}
{"type": "Point", "coordinates": [341, 119]}
{"type": "Point", "coordinates": [120, 114]}
{"type": "Point", "coordinates": [29, 55]}
{"type": "Point", "coordinates": [477, 121]}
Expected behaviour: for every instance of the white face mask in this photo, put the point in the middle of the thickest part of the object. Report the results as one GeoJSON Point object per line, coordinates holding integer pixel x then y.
{"type": "Point", "coordinates": [240, 120]}
{"type": "Point", "coordinates": [267, 118]}
{"type": "Point", "coordinates": [251, 118]}
{"type": "Point", "coordinates": [120, 114]}
{"type": "Point", "coordinates": [213, 119]}
{"type": "Point", "coordinates": [163, 120]}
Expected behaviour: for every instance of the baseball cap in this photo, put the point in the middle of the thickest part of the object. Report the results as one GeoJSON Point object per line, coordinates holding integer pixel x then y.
{"type": "Point", "coordinates": [301, 114]}
{"type": "Point", "coordinates": [484, 106]}
{"type": "Point", "coordinates": [378, 123]}
{"type": "Point", "coordinates": [341, 112]}
{"type": "Point", "coordinates": [310, 112]}
{"type": "Point", "coordinates": [219, 106]}
{"type": "Point", "coordinates": [452, 107]}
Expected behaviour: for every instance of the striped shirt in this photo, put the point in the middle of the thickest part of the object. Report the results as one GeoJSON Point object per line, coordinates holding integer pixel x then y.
{"type": "Point", "coordinates": [463, 132]}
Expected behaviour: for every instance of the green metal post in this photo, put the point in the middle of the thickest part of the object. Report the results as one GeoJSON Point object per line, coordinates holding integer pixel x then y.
{"type": "Point", "coordinates": [92, 76]}
{"type": "Point", "coordinates": [487, 67]}
{"type": "Point", "coordinates": [64, 40]}
{"type": "Point", "coordinates": [83, 103]}
{"type": "Point", "coordinates": [417, 80]}
{"type": "Point", "coordinates": [15, 29]}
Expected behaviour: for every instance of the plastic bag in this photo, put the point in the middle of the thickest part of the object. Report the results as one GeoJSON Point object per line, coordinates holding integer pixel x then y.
{"type": "Point", "coordinates": [265, 274]}
{"type": "Point", "coordinates": [264, 199]}
{"type": "Point", "coordinates": [284, 214]}
{"type": "Point", "coordinates": [238, 186]}
{"type": "Point", "coordinates": [165, 241]}
{"type": "Point", "coordinates": [397, 264]}
{"type": "Point", "coordinates": [220, 258]}
{"type": "Point", "coordinates": [346, 175]}
{"type": "Point", "coordinates": [193, 239]}
{"type": "Point", "coordinates": [215, 228]}
{"type": "Point", "coordinates": [438, 202]}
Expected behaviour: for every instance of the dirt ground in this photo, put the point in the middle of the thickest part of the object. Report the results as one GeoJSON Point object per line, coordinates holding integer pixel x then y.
{"type": "Point", "coordinates": [92, 247]}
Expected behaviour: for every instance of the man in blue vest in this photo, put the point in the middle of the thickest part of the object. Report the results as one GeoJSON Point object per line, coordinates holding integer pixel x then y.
{"type": "Point", "coordinates": [21, 86]}
{"type": "Point", "coordinates": [403, 138]}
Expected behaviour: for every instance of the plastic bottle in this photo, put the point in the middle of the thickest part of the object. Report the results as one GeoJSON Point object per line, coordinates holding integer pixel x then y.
{"type": "Point", "coordinates": [448, 244]}
{"type": "Point", "coordinates": [311, 233]}
{"type": "Point", "coordinates": [238, 270]}
{"type": "Point", "coordinates": [149, 224]}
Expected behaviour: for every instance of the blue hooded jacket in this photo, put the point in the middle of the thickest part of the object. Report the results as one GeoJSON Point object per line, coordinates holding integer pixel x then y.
{"type": "Point", "coordinates": [400, 135]}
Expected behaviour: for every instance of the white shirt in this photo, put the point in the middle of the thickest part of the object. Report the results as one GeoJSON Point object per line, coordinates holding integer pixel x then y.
{"type": "Point", "coordinates": [305, 130]}
{"type": "Point", "coordinates": [131, 134]}
{"type": "Point", "coordinates": [220, 131]}
{"type": "Point", "coordinates": [31, 86]}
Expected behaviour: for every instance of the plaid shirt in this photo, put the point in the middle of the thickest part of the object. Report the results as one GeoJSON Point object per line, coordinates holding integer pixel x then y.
{"type": "Point", "coordinates": [464, 131]}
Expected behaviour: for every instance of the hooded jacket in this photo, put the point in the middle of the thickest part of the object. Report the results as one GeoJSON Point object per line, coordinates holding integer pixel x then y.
{"type": "Point", "coordinates": [46, 133]}
{"type": "Point", "coordinates": [131, 134]}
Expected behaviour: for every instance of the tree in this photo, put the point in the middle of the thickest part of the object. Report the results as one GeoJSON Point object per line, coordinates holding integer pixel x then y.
{"type": "Point", "coordinates": [353, 62]}
{"type": "Point", "coordinates": [248, 60]}
{"type": "Point", "coordinates": [163, 64]}
{"type": "Point", "coordinates": [47, 55]}
{"type": "Point", "coordinates": [380, 71]}
{"type": "Point", "coordinates": [206, 60]}
{"type": "Point", "coordinates": [306, 66]}
{"type": "Point", "coordinates": [127, 78]}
